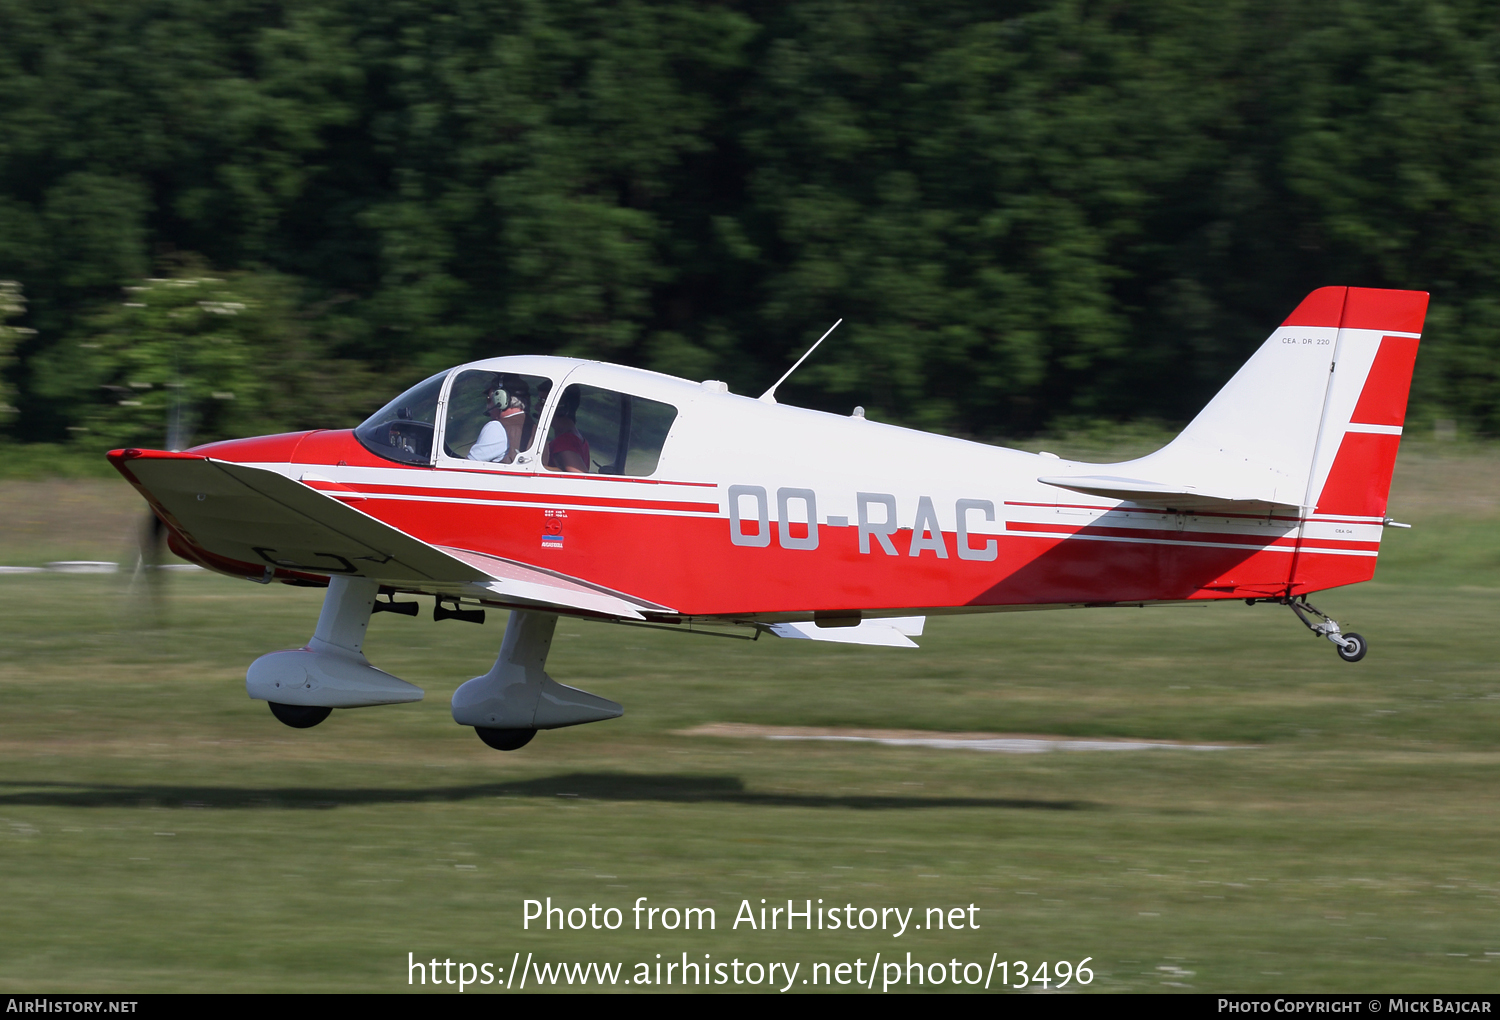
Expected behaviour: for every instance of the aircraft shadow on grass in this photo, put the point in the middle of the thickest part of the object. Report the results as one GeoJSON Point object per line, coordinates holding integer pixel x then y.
{"type": "Point", "coordinates": [672, 789]}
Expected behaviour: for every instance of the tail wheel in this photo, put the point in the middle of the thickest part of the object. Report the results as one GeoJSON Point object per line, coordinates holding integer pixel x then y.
{"type": "Point", "coordinates": [1353, 648]}
{"type": "Point", "coordinates": [504, 740]}
{"type": "Point", "coordinates": [301, 717]}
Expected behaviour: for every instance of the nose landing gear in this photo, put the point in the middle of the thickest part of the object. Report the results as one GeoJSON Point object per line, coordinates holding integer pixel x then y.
{"type": "Point", "coordinates": [304, 684]}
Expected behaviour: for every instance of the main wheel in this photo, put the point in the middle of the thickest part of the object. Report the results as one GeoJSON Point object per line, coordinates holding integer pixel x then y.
{"type": "Point", "coordinates": [299, 717]}
{"type": "Point", "coordinates": [1353, 648]}
{"type": "Point", "coordinates": [504, 740]}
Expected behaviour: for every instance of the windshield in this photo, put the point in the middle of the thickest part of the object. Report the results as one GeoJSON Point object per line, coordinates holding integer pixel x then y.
{"type": "Point", "coordinates": [402, 430]}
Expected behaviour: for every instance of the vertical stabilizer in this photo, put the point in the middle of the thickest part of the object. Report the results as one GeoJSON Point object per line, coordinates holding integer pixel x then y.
{"type": "Point", "coordinates": [1315, 414]}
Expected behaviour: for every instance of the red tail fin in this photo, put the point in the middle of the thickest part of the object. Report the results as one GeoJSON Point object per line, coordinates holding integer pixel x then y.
{"type": "Point", "coordinates": [1361, 427]}
{"type": "Point", "coordinates": [1378, 328]}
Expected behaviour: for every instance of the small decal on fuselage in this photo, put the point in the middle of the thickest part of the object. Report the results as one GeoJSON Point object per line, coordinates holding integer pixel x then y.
{"type": "Point", "coordinates": [552, 527]}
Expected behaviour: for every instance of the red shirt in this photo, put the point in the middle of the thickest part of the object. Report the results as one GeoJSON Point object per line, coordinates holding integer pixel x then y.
{"type": "Point", "coordinates": [569, 442]}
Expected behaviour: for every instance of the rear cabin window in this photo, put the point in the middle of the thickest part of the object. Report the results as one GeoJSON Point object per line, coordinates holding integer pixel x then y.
{"type": "Point", "coordinates": [598, 431]}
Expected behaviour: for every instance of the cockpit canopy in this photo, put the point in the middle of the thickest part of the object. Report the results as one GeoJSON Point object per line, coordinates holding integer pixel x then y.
{"type": "Point", "coordinates": [482, 414]}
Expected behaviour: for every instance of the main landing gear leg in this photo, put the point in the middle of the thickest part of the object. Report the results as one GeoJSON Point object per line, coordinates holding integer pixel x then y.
{"type": "Point", "coordinates": [516, 697]}
{"type": "Point", "coordinates": [304, 684]}
{"type": "Point", "coordinates": [1351, 647]}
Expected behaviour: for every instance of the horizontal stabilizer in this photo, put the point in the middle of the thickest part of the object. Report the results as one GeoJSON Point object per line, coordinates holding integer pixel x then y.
{"type": "Point", "coordinates": [896, 632]}
{"type": "Point", "coordinates": [1310, 423]}
{"type": "Point", "coordinates": [1160, 494]}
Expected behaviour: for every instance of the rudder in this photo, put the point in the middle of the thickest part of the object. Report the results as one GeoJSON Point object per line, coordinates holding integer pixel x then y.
{"type": "Point", "coordinates": [1359, 435]}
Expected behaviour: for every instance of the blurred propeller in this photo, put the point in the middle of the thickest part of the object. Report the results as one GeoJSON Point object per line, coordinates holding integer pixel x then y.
{"type": "Point", "coordinates": [148, 582]}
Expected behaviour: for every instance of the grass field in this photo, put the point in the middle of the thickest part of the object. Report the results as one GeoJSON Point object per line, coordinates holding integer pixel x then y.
{"type": "Point", "coordinates": [159, 831]}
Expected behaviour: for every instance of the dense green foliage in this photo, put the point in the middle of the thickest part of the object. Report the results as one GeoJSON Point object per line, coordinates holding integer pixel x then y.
{"type": "Point", "coordinates": [12, 305]}
{"type": "Point", "coordinates": [209, 356]}
{"type": "Point", "coordinates": [1026, 211]}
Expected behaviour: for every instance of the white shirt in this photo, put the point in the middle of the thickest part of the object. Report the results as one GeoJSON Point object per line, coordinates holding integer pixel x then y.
{"type": "Point", "coordinates": [492, 443]}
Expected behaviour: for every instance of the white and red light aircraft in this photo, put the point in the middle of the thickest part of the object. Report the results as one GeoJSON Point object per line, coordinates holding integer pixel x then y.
{"type": "Point", "coordinates": [551, 486]}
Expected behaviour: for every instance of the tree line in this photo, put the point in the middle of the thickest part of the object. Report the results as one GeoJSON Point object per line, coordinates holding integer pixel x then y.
{"type": "Point", "coordinates": [1028, 213]}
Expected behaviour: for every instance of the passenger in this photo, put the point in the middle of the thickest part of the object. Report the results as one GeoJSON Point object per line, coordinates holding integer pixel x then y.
{"type": "Point", "coordinates": [567, 450]}
{"type": "Point", "coordinates": [499, 440]}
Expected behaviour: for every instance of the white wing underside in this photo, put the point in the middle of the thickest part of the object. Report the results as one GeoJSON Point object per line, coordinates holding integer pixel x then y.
{"type": "Point", "coordinates": [261, 517]}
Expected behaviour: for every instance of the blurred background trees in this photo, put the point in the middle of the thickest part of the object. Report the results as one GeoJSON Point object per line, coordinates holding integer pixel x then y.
{"type": "Point", "coordinates": [12, 306]}
{"type": "Point", "coordinates": [1027, 212]}
{"type": "Point", "coordinates": [193, 356]}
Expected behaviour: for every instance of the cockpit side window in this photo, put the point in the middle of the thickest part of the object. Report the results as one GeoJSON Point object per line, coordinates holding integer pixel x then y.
{"type": "Point", "coordinates": [598, 431]}
{"type": "Point", "coordinates": [402, 430]}
{"type": "Point", "coordinates": [492, 416]}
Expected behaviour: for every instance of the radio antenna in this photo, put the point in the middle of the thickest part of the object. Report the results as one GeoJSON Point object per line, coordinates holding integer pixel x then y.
{"type": "Point", "coordinates": [770, 395]}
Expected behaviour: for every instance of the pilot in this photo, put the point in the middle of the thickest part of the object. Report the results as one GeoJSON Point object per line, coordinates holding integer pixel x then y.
{"type": "Point", "coordinates": [567, 450]}
{"type": "Point", "coordinates": [500, 439]}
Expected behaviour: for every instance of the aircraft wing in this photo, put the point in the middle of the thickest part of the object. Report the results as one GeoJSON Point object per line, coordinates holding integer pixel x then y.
{"type": "Point", "coordinates": [261, 517]}
{"type": "Point", "coordinates": [1162, 494]}
{"type": "Point", "coordinates": [894, 632]}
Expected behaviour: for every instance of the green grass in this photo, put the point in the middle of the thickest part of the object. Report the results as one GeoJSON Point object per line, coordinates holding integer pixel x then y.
{"type": "Point", "coordinates": [159, 831]}
{"type": "Point", "coordinates": [40, 461]}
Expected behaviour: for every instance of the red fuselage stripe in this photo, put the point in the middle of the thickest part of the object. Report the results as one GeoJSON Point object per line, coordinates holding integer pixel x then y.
{"type": "Point", "coordinates": [1193, 536]}
{"type": "Point", "coordinates": [1152, 510]}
